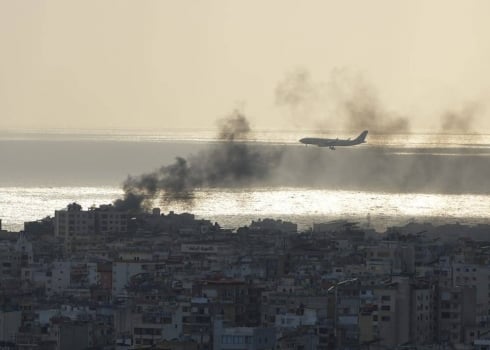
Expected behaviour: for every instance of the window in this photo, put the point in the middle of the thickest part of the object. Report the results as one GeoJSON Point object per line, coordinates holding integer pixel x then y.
{"type": "Point", "coordinates": [226, 339]}
{"type": "Point", "coordinates": [385, 318]}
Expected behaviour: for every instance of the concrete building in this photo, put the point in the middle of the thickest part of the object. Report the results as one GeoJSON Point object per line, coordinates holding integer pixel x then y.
{"type": "Point", "coordinates": [386, 313]}
{"type": "Point", "coordinates": [346, 295]}
{"type": "Point", "coordinates": [122, 271]}
{"type": "Point", "coordinates": [197, 321]}
{"type": "Point", "coordinates": [477, 276]}
{"type": "Point", "coordinates": [72, 335]}
{"type": "Point", "coordinates": [456, 311]}
{"type": "Point", "coordinates": [25, 254]}
{"type": "Point", "coordinates": [422, 318]}
{"type": "Point", "coordinates": [300, 338]}
{"type": "Point", "coordinates": [306, 317]}
{"type": "Point", "coordinates": [234, 301]}
{"type": "Point", "coordinates": [58, 277]}
{"type": "Point", "coordinates": [10, 322]}
{"type": "Point", "coordinates": [74, 222]}
{"type": "Point", "coordinates": [276, 305]}
{"type": "Point", "coordinates": [243, 338]}
{"type": "Point", "coordinates": [481, 344]}
{"type": "Point", "coordinates": [9, 261]}
{"type": "Point", "coordinates": [398, 256]}
{"type": "Point", "coordinates": [109, 220]}
{"type": "Point", "coordinates": [65, 275]}
{"type": "Point", "coordinates": [157, 324]}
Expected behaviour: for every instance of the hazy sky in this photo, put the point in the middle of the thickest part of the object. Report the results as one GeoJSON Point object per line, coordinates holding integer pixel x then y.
{"type": "Point", "coordinates": [183, 64]}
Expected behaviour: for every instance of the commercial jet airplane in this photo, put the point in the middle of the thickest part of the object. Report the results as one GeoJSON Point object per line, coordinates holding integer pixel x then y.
{"type": "Point", "coordinates": [332, 143]}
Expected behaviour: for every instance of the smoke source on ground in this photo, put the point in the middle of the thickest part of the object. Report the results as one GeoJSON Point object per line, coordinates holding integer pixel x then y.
{"type": "Point", "coordinates": [230, 162]}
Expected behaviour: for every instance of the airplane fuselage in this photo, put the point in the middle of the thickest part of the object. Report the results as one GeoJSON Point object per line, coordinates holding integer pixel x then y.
{"type": "Point", "coordinates": [332, 143]}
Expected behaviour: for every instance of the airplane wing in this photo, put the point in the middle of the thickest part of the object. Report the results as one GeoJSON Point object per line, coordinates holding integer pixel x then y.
{"type": "Point", "coordinates": [326, 143]}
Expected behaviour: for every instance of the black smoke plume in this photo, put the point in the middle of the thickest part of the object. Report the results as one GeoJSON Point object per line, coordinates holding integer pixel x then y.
{"type": "Point", "coordinates": [231, 162]}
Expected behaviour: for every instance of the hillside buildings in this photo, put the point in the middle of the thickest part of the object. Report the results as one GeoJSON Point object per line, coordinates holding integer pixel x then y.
{"type": "Point", "coordinates": [101, 279]}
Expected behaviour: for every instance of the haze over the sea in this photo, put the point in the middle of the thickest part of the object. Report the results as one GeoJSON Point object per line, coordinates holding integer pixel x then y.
{"type": "Point", "coordinates": [45, 172]}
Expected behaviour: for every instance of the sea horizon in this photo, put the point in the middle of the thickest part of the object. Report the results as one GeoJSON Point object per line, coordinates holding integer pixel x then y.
{"type": "Point", "coordinates": [49, 174]}
{"type": "Point", "coordinates": [43, 174]}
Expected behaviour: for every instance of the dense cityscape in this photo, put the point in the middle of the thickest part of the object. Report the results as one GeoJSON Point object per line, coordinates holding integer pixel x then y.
{"type": "Point", "coordinates": [245, 175]}
{"type": "Point", "coordinates": [101, 278]}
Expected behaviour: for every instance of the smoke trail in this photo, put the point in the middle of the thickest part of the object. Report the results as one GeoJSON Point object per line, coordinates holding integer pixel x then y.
{"type": "Point", "coordinates": [346, 101]}
{"type": "Point", "coordinates": [229, 163]}
{"type": "Point", "coordinates": [357, 103]}
{"type": "Point", "coordinates": [461, 120]}
{"type": "Point", "coordinates": [298, 94]}
{"type": "Point", "coordinates": [387, 169]}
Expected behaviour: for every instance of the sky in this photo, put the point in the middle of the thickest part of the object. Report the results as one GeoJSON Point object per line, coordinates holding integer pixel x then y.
{"type": "Point", "coordinates": [157, 65]}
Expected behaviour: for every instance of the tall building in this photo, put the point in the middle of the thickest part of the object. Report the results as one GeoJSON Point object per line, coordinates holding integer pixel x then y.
{"type": "Point", "coordinates": [346, 313]}
{"type": "Point", "coordinates": [457, 311]}
{"type": "Point", "coordinates": [74, 222]}
{"type": "Point", "coordinates": [385, 314]}
{"type": "Point", "coordinates": [422, 318]}
{"type": "Point", "coordinates": [477, 276]}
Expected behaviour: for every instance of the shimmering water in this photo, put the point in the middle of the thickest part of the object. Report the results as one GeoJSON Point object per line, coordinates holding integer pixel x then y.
{"type": "Point", "coordinates": [233, 208]}
{"type": "Point", "coordinates": [393, 179]}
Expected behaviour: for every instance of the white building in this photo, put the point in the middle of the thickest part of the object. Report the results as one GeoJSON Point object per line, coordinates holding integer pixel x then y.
{"type": "Point", "coordinates": [65, 275]}
{"type": "Point", "coordinates": [58, 277]}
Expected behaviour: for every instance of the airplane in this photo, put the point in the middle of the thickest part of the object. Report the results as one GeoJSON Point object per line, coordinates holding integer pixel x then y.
{"type": "Point", "coordinates": [332, 143]}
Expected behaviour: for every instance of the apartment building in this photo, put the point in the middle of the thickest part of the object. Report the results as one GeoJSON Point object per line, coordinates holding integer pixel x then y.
{"type": "Point", "coordinates": [74, 222]}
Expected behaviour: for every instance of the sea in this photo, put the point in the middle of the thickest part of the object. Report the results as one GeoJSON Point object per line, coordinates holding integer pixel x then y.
{"type": "Point", "coordinates": [393, 179]}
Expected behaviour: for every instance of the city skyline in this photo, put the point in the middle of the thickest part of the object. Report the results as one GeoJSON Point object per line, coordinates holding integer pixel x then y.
{"type": "Point", "coordinates": [217, 175]}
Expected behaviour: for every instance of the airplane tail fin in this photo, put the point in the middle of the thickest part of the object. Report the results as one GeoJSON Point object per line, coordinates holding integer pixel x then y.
{"type": "Point", "coordinates": [362, 137]}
